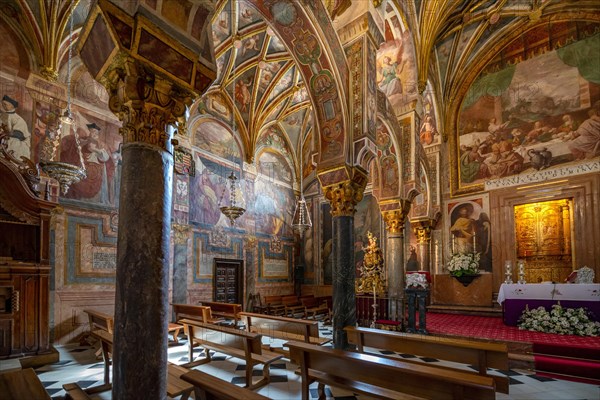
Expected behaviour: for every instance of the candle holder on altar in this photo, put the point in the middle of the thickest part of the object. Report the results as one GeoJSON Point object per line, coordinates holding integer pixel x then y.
{"type": "Point", "coordinates": [508, 272]}
{"type": "Point", "coordinates": [521, 266]}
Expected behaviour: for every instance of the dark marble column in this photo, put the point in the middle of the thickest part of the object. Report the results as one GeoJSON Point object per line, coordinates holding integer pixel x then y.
{"type": "Point", "coordinates": [147, 105]}
{"type": "Point", "coordinates": [343, 197]}
{"type": "Point", "coordinates": [344, 274]}
{"type": "Point", "coordinates": [142, 303]}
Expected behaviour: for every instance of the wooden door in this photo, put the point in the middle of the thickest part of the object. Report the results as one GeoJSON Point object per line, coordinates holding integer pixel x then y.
{"type": "Point", "coordinates": [227, 281]}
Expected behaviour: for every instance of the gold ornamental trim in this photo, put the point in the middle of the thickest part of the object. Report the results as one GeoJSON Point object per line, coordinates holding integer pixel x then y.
{"type": "Point", "coordinates": [345, 195]}
{"type": "Point", "coordinates": [181, 233]}
{"type": "Point", "coordinates": [394, 215]}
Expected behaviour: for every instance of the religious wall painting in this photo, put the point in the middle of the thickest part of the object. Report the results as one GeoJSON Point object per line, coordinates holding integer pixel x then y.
{"type": "Point", "coordinates": [274, 167]}
{"type": "Point", "coordinates": [273, 207]}
{"type": "Point", "coordinates": [268, 72]}
{"type": "Point", "coordinates": [211, 136]}
{"type": "Point", "coordinates": [534, 115]}
{"type": "Point", "coordinates": [307, 152]}
{"type": "Point", "coordinates": [309, 246]}
{"type": "Point", "coordinates": [396, 70]}
{"type": "Point", "coordinates": [326, 240]}
{"type": "Point", "coordinates": [420, 204]}
{"type": "Point", "coordinates": [247, 15]}
{"type": "Point", "coordinates": [366, 219]}
{"type": "Point", "coordinates": [16, 118]}
{"type": "Point", "coordinates": [283, 84]}
{"type": "Point", "coordinates": [272, 137]}
{"type": "Point", "coordinates": [206, 191]}
{"type": "Point", "coordinates": [275, 44]}
{"type": "Point", "coordinates": [249, 47]}
{"type": "Point", "coordinates": [388, 161]}
{"type": "Point", "coordinates": [100, 144]}
{"type": "Point", "coordinates": [468, 228]}
{"type": "Point", "coordinates": [221, 27]}
{"type": "Point", "coordinates": [243, 87]}
{"type": "Point", "coordinates": [428, 132]}
{"type": "Point", "coordinates": [222, 62]}
{"type": "Point", "coordinates": [292, 124]}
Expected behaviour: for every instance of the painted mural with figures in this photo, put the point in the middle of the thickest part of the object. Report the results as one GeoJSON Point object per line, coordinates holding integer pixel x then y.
{"type": "Point", "coordinates": [469, 228]}
{"type": "Point", "coordinates": [533, 108]}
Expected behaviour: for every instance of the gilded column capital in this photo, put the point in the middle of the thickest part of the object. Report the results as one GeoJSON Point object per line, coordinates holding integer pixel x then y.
{"type": "Point", "coordinates": [144, 101]}
{"type": "Point", "coordinates": [394, 215]}
{"type": "Point", "coordinates": [422, 230]}
{"type": "Point", "coordinates": [345, 195]}
{"type": "Point", "coordinates": [180, 233]}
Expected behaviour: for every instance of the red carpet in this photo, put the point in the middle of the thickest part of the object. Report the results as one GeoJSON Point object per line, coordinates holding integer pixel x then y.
{"type": "Point", "coordinates": [568, 357]}
{"type": "Point", "coordinates": [493, 328]}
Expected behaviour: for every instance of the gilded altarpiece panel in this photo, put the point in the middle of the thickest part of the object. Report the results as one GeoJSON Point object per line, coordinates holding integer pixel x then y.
{"type": "Point", "coordinates": [543, 237]}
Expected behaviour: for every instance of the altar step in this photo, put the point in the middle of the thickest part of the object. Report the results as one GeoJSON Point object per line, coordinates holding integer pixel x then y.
{"type": "Point", "coordinates": [465, 310]}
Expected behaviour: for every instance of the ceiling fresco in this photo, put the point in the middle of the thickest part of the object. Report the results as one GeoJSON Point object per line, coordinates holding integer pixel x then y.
{"type": "Point", "coordinates": [258, 79]}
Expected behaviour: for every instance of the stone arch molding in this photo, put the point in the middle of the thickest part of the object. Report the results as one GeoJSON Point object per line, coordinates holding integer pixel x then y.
{"type": "Point", "coordinates": [319, 55]}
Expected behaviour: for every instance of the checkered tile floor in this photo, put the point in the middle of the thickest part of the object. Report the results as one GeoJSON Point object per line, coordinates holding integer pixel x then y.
{"type": "Point", "coordinates": [78, 364]}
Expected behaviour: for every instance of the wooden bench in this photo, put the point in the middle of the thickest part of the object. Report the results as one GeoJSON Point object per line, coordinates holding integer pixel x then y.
{"type": "Point", "coordinates": [292, 305]}
{"type": "Point", "coordinates": [274, 305]}
{"type": "Point", "coordinates": [209, 387]}
{"type": "Point", "coordinates": [385, 378]}
{"type": "Point", "coordinates": [225, 310]}
{"type": "Point", "coordinates": [175, 386]}
{"type": "Point", "coordinates": [190, 311]}
{"type": "Point", "coordinates": [234, 342]}
{"type": "Point", "coordinates": [313, 306]}
{"type": "Point", "coordinates": [482, 355]}
{"type": "Point", "coordinates": [22, 384]}
{"type": "Point", "coordinates": [99, 320]}
{"type": "Point", "coordinates": [283, 328]}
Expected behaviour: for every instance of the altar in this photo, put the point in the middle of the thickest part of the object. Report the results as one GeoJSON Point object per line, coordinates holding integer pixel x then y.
{"type": "Point", "coordinates": [515, 297]}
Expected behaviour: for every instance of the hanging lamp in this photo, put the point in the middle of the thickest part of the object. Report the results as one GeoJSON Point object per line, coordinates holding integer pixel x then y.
{"type": "Point", "coordinates": [65, 173]}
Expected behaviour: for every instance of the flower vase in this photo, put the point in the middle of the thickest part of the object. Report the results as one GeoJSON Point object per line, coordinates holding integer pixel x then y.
{"type": "Point", "coordinates": [466, 279]}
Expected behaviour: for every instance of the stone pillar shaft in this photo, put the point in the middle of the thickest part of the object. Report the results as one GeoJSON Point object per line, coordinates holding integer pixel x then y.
{"type": "Point", "coordinates": [142, 304]}
{"type": "Point", "coordinates": [344, 275]}
{"type": "Point", "coordinates": [343, 197]}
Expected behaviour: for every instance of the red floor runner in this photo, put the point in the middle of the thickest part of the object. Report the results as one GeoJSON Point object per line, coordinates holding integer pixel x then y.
{"type": "Point", "coordinates": [493, 328]}
{"type": "Point", "coordinates": [567, 350]}
{"type": "Point", "coordinates": [568, 368]}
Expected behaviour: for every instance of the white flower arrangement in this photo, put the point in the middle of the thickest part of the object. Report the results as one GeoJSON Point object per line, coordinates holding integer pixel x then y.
{"type": "Point", "coordinates": [417, 281]}
{"type": "Point", "coordinates": [464, 264]}
{"type": "Point", "coordinates": [563, 321]}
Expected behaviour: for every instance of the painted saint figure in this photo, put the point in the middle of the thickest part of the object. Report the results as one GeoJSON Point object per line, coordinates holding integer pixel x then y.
{"type": "Point", "coordinates": [19, 141]}
{"type": "Point", "coordinates": [462, 232]}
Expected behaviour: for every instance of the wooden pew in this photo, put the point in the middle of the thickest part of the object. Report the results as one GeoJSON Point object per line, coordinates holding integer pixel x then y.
{"type": "Point", "coordinates": [190, 311]}
{"type": "Point", "coordinates": [209, 387]}
{"type": "Point", "coordinates": [483, 355]}
{"type": "Point", "coordinates": [99, 320]}
{"type": "Point", "coordinates": [283, 328]}
{"type": "Point", "coordinates": [313, 306]}
{"type": "Point", "coordinates": [385, 378]}
{"type": "Point", "coordinates": [22, 384]}
{"type": "Point", "coordinates": [274, 305]}
{"type": "Point", "coordinates": [225, 310]}
{"type": "Point", "coordinates": [230, 341]}
{"type": "Point", "coordinates": [292, 305]}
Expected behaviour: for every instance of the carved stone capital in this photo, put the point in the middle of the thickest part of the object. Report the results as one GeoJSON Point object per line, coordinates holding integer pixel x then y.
{"type": "Point", "coordinates": [180, 233]}
{"type": "Point", "coordinates": [394, 215]}
{"type": "Point", "coordinates": [145, 102]}
{"type": "Point", "coordinates": [422, 230]}
{"type": "Point", "coordinates": [344, 196]}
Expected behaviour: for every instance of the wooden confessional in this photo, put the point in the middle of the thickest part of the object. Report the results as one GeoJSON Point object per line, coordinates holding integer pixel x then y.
{"type": "Point", "coordinates": [24, 263]}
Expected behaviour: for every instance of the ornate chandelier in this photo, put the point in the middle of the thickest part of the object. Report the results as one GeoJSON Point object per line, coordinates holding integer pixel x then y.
{"type": "Point", "coordinates": [301, 221]}
{"type": "Point", "coordinates": [233, 210]}
{"type": "Point", "coordinates": [65, 173]}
